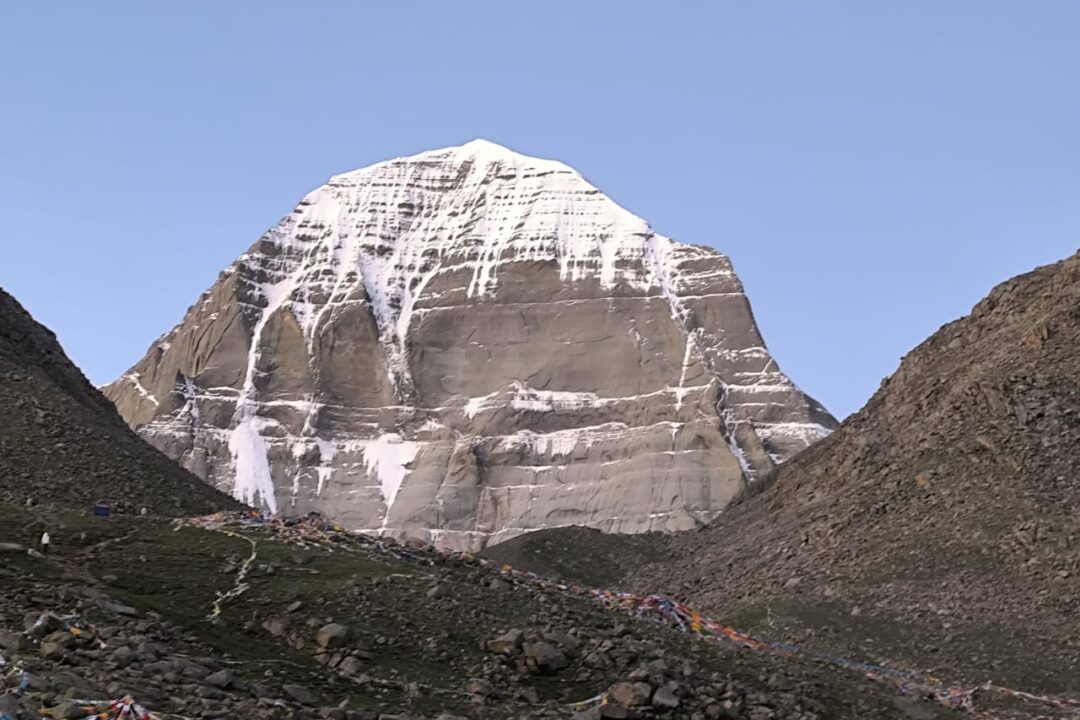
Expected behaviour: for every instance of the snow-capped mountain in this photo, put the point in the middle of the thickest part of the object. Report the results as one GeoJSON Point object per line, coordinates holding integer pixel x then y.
{"type": "Point", "coordinates": [468, 344]}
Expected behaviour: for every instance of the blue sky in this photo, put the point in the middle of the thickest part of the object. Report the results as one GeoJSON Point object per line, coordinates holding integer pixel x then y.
{"type": "Point", "coordinates": [872, 168]}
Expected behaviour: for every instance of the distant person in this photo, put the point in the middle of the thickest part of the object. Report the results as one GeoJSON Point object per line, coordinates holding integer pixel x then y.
{"type": "Point", "coordinates": [45, 541]}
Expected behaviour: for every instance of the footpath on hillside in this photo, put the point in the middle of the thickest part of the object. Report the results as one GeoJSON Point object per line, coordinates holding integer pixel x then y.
{"type": "Point", "coordinates": [287, 599]}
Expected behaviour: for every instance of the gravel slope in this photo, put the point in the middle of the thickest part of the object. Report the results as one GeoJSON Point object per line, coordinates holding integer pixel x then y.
{"type": "Point", "coordinates": [63, 442]}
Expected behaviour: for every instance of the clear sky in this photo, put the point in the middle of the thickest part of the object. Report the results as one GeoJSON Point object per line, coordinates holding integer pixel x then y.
{"type": "Point", "coordinates": [872, 168]}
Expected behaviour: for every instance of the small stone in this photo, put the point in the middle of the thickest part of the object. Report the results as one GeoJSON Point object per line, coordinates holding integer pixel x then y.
{"type": "Point", "coordinates": [14, 641]}
{"type": "Point", "coordinates": [507, 643]}
{"type": "Point", "coordinates": [592, 713]}
{"type": "Point", "coordinates": [630, 694]}
{"type": "Point", "coordinates": [529, 695]}
{"type": "Point", "coordinates": [615, 712]}
{"type": "Point", "coordinates": [53, 650]}
{"type": "Point", "coordinates": [439, 590]}
{"type": "Point", "coordinates": [351, 666]}
{"type": "Point", "coordinates": [664, 699]}
{"type": "Point", "coordinates": [220, 679]}
{"type": "Point", "coordinates": [119, 609]}
{"type": "Point", "coordinates": [68, 710]}
{"type": "Point", "coordinates": [914, 709]}
{"type": "Point", "coordinates": [123, 656]}
{"type": "Point", "coordinates": [9, 705]}
{"type": "Point", "coordinates": [499, 584]}
{"type": "Point", "coordinates": [481, 687]}
{"type": "Point", "coordinates": [276, 625]}
{"type": "Point", "coordinates": [301, 694]}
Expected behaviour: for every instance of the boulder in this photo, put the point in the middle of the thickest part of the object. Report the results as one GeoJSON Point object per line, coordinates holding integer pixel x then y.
{"type": "Point", "coordinates": [276, 625]}
{"type": "Point", "coordinates": [664, 699]}
{"type": "Point", "coordinates": [480, 687]}
{"type": "Point", "coordinates": [630, 694]}
{"type": "Point", "coordinates": [544, 656]}
{"type": "Point", "coordinates": [68, 710]}
{"type": "Point", "coordinates": [507, 643]}
{"type": "Point", "coordinates": [332, 636]}
{"type": "Point", "coordinates": [123, 656]}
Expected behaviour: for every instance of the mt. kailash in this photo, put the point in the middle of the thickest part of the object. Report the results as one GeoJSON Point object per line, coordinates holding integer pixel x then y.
{"type": "Point", "coordinates": [465, 345]}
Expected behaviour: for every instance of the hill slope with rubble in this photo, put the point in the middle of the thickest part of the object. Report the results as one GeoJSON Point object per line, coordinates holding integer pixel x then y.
{"type": "Point", "coordinates": [937, 527]}
{"type": "Point", "coordinates": [63, 442]}
{"type": "Point", "coordinates": [276, 621]}
{"type": "Point", "coordinates": [234, 615]}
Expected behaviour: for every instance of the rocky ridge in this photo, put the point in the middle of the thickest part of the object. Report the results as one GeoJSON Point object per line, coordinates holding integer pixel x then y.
{"type": "Point", "coordinates": [935, 529]}
{"type": "Point", "coordinates": [63, 441]}
{"type": "Point", "coordinates": [465, 345]}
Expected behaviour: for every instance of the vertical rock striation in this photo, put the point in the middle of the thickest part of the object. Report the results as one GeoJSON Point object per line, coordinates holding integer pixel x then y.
{"type": "Point", "coordinates": [468, 344]}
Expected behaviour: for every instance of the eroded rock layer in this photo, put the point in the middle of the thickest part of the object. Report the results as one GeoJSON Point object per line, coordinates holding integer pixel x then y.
{"type": "Point", "coordinates": [465, 345]}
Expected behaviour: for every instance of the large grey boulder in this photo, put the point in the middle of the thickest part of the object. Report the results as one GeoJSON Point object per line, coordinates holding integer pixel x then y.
{"type": "Point", "coordinates": [332, 636]}
{"type": "Point", "coordinates": [466, 345]}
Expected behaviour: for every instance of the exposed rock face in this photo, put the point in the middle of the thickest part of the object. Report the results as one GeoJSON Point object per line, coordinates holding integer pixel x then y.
{"type": "Point", "coordinates": [468, 344]}
{"type": "Point", "coordinates": [62, 442]}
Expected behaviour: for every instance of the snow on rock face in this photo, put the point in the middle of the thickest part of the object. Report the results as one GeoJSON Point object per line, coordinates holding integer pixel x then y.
{"type": "Point", "coordinates": [388, 457]}
{"type": "Point", "coordinates": [252, 481]}
{"type": "Point", "coordinates": [442, 345]}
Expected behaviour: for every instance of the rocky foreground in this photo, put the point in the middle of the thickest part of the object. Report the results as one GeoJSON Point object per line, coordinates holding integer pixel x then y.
{"type": "Point", "coordinates": [937, 528]}
{"type": "Point", "coordinates": [63, 441]}
{"type": "Point", "coordinates": [198, 623]}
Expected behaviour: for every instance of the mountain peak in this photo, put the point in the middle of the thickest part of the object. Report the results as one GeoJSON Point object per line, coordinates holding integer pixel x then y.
{"type": "Point", "coordinates": [421, 337]}
{"type": "Point", "coordinates": [478, 151]}
{"type": "Point", "coordinates": [481, 145]}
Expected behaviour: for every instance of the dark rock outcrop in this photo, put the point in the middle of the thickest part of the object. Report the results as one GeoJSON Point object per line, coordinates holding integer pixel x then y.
{"type": "Point", "coordinates": [62, 441]}
{"type": "Point", "coordinates": [947, 505]}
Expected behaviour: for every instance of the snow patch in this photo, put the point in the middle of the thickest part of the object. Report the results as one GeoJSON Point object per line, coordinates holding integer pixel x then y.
{"type": "Point", "coordinates": [804, 432]}
{"type": "Point", "coordinates": [523, 397]}
{"type": "Point", "coordinates": [560, 442]}
{"type": "Point", "coordinates": [252, 483]}
{"type": "Point", "coordinates": [133, 377]}
{"type": "Point", "coordinates": [688, 355]}
{"type": "Point", "coordinates": [327, 451]}
{"type": "Point", "coordinates": [526, 398]}
{"type": "Point", "coordinates": [478, 404]}
{"type": "Point", "coordinates": [388, 457]}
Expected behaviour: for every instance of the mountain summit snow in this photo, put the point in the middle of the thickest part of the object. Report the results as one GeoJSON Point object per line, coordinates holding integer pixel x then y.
{"type": "Point", "coordinates": [468, 344]}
